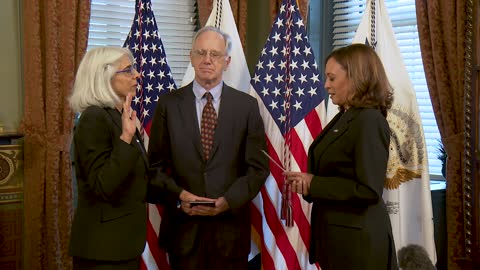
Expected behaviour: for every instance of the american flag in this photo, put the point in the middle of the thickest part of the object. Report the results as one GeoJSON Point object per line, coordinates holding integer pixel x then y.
{"type": "Point", "coordinates": [287, 84]}
{"type": "Point", "coordinates": [156, 79]}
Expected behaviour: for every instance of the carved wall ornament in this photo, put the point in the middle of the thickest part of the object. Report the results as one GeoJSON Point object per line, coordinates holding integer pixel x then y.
{"type": "Point", "coordinates": [407, 147]}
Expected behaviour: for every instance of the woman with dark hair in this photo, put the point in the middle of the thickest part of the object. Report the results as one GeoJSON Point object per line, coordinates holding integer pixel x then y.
{"type": "Point", "coordinates": [347, 164]}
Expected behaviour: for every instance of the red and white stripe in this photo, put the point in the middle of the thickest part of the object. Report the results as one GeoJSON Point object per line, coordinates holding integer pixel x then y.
{"type": "Point", "coordinates": [153, 257]}
{"type": "Point", "coordinates": [285, 247]}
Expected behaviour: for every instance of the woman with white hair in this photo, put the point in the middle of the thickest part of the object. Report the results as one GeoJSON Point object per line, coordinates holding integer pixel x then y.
{"type": "Point", "coordinates": [109, 226]}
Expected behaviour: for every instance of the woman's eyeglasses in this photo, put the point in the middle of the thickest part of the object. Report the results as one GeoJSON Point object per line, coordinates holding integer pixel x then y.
{"type": "Point", "coordinates": [129, 70]}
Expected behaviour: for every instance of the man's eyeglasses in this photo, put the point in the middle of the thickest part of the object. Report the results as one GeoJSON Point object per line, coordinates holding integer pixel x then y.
{"type": "Point", "coordinates": [203, 54]}
{"type": "Point", "coordinates": [129, 70]}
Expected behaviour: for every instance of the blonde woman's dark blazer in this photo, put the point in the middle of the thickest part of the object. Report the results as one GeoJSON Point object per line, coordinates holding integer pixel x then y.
{"type": "Point", "coordinates": [349, 221]}
{"type": "Point", "coordinates": [110, 219]}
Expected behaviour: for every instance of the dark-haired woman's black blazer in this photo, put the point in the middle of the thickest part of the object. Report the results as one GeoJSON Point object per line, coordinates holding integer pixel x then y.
{"type": "Point", "coordinates": [350, 226]}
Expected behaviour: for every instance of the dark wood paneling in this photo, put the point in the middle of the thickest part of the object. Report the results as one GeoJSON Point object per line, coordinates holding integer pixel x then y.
{"type": "Point", "coordinates": [11, 205]}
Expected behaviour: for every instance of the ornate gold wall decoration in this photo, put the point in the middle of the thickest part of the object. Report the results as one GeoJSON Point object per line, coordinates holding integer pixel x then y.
{"type": "Point", "coordinates": [407, 148]}
{"type": "Point", "coordinates": [11, 173]}
{"type": "Point", "coordinates": [11, 202]}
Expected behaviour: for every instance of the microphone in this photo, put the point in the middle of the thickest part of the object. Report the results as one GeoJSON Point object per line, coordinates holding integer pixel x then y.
{"type": "Point", "coordinates": [414, 257]}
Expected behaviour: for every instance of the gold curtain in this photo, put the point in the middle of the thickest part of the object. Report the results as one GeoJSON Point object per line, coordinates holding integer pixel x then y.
{"type": "Point", "coordinates": [204, 9]}
{"type": "Point", "coordinates": [239, 10]}
{"type": "Point", "coordinates": [441, 27]}
{"type": "Point", "coordinates": [55, 34]}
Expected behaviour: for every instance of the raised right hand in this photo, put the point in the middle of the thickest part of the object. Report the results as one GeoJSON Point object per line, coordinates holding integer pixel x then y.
{"type": "Point", "coordinates": [128, 120]}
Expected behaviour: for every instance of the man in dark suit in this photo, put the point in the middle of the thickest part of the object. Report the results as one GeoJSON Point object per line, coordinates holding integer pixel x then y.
{"type": "Point", "coordinates": [206, 142]}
